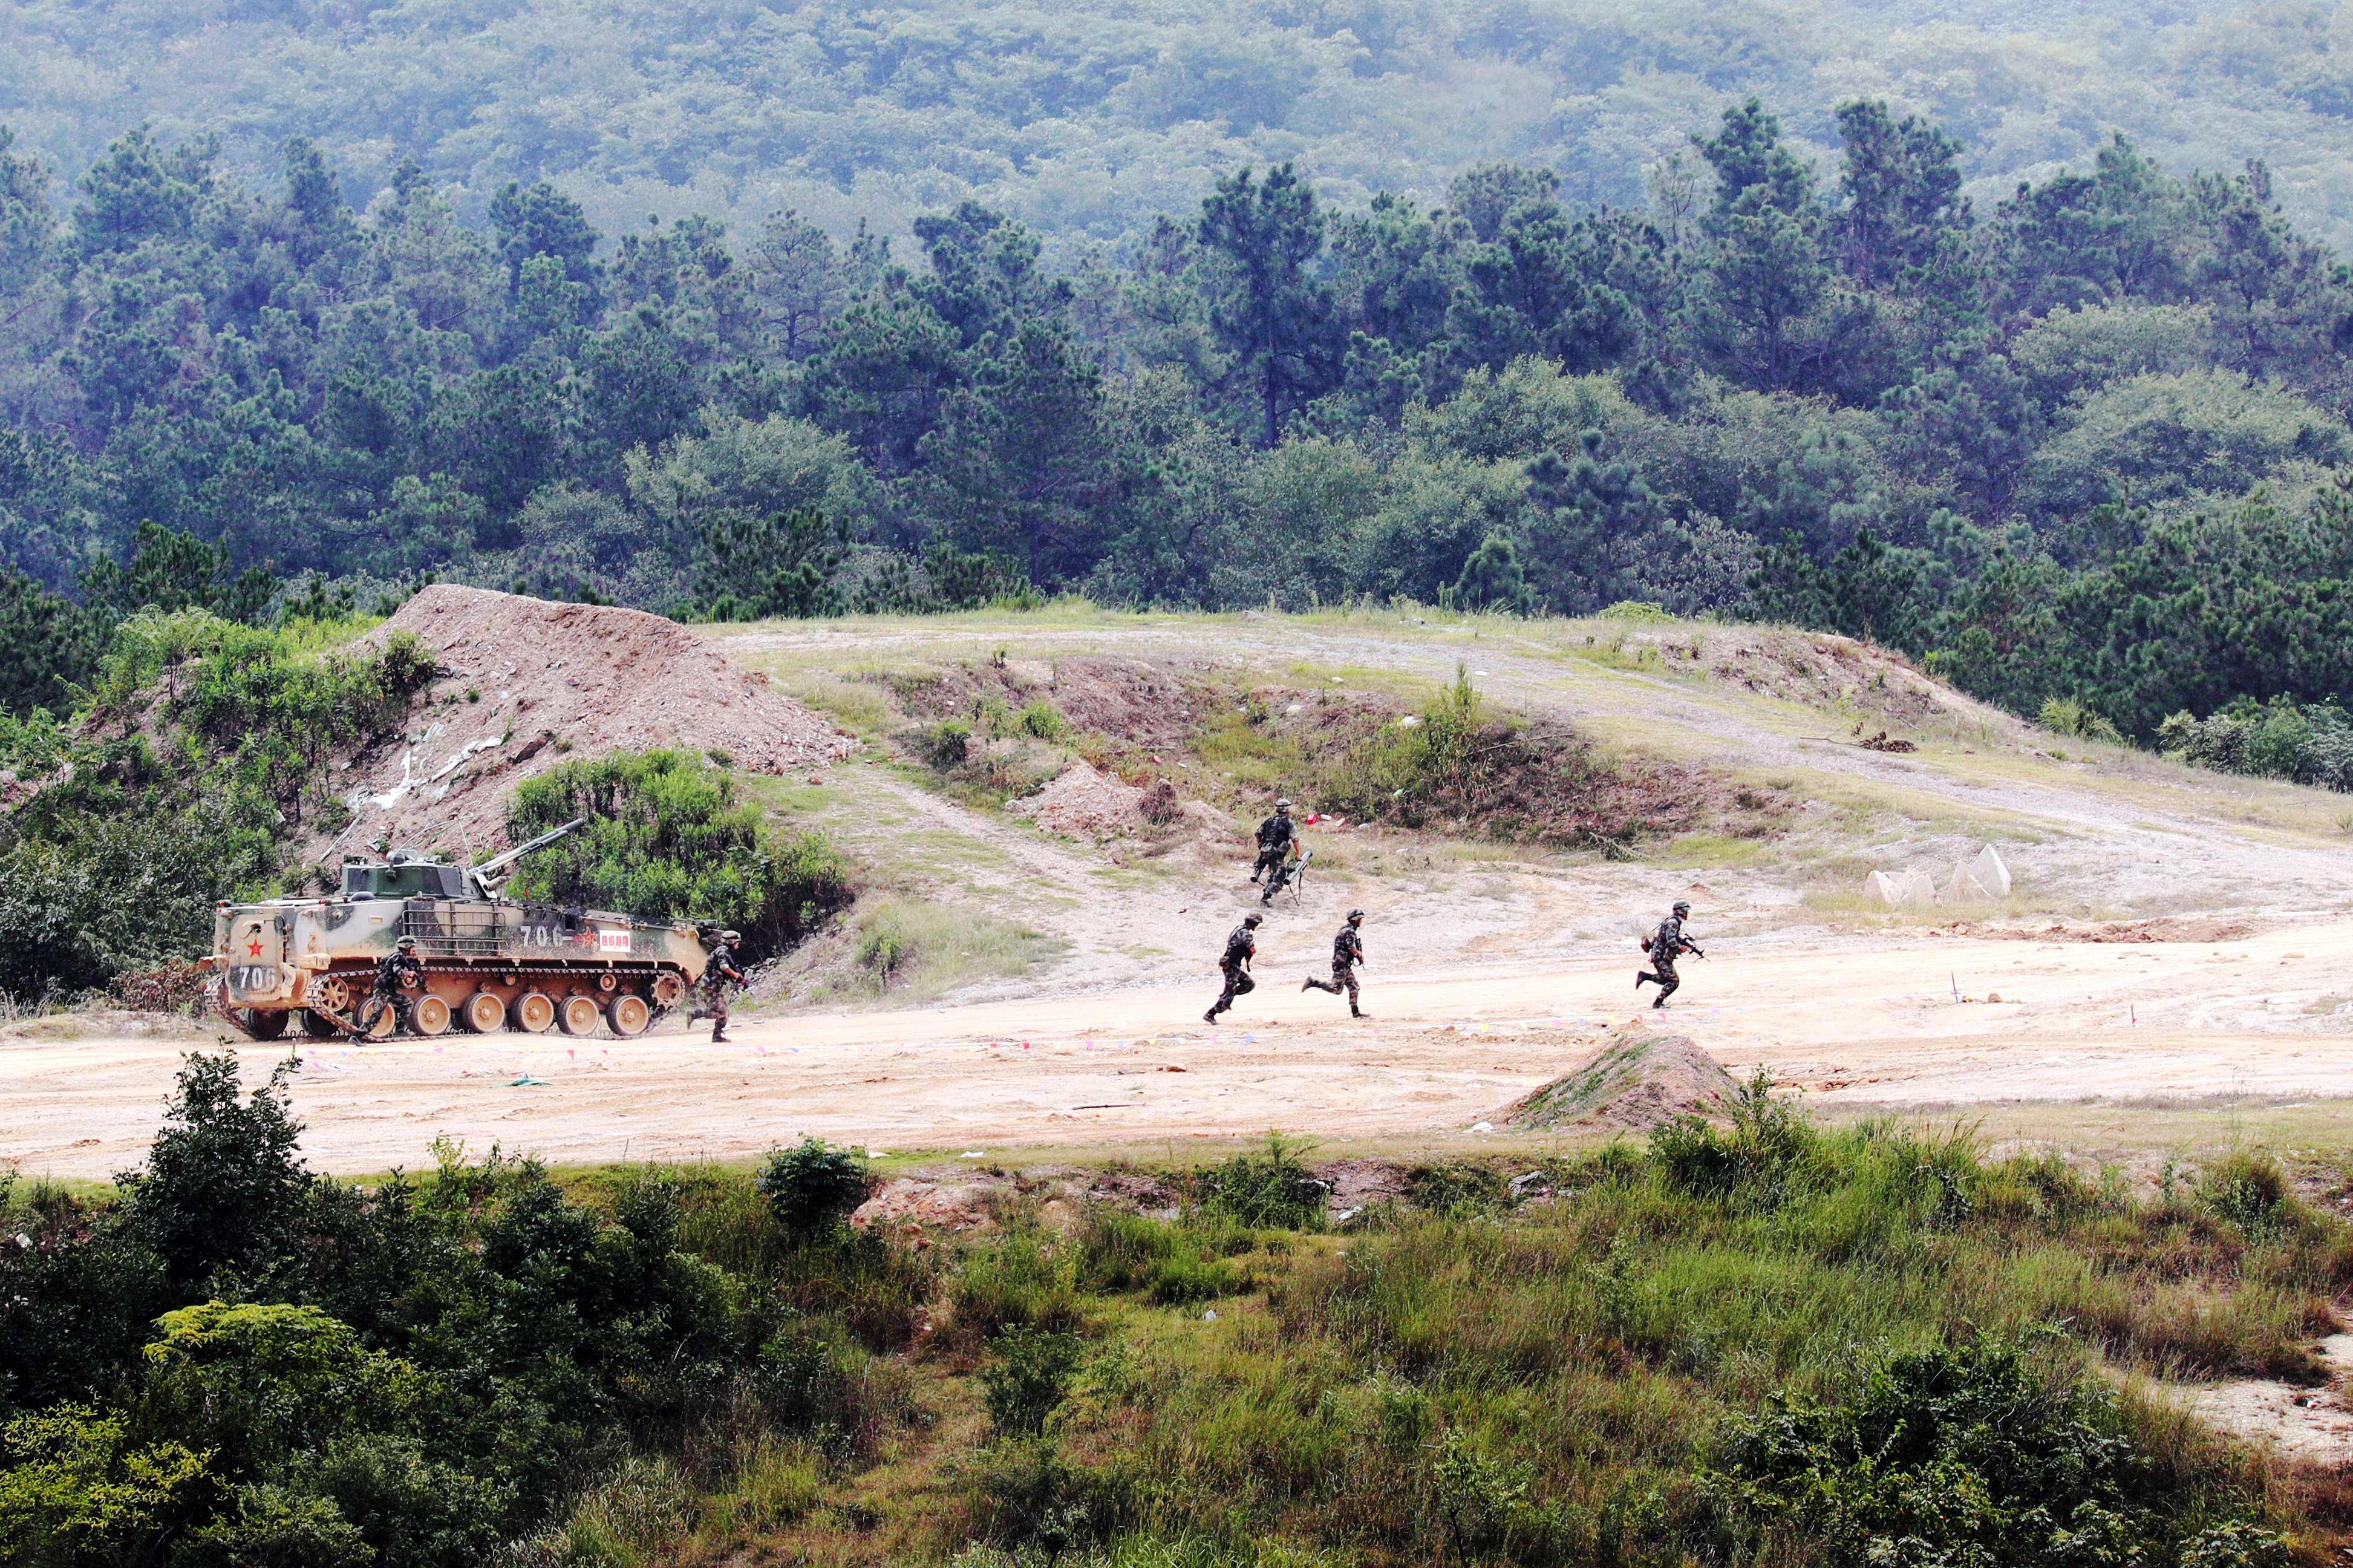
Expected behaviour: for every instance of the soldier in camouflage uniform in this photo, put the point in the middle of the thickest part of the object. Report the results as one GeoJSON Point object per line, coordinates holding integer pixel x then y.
{"type": "Point", "coordinates": [1347, 952]}
{"type": "Point", "coordinates": [1274, 836]}
{"type": "Point", "coordinates": [399, 974]}
{"type": "Point", "coordinates": [718, 971]}
{"type": "Point", "coordinates": [1242, 946]}
{"type": "Point", "coordinates": [1666, 944]}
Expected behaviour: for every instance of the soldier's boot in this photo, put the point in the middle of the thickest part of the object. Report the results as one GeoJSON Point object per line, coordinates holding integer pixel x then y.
{"type": "Point", "coordinates": [1358, 1012]}
{"type": "Point", "coordinates": [1642, 977]}
{"type": "Point", "coordinates": [1210, 1016]}
{"type": "Point", "coordinates": [718, 1037]}
{"type": "Point", "coordinates": [1658, 1004]}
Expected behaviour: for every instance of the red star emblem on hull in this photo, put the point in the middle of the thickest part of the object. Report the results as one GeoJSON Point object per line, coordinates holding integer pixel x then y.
{"type": "Point", "coordinates": [253, 949]}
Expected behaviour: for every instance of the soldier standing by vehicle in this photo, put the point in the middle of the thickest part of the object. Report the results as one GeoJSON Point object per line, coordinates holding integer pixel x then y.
{"type": "Point", "coordinates": [719, 970]}
{"type": "Point", "coordinates": [1274, 836]}
{"type": "Point", "coordinates": [1242, 946]}
{"type": "Point", "coordinates": [399, 974]}
{"type": "Point", "coordinates": [1347, 953]}
{"type": "Point", "coordinates": [1666, 944]}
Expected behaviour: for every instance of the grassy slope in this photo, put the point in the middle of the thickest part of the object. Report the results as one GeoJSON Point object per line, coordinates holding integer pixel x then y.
{"type": "Point", "coordinates": [1558, 1384]}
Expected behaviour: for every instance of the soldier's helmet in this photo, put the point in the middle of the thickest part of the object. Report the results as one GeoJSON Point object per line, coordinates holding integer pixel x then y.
{"type": "Point", "coordinates": [407, 944]}
{"type": "Point", "coordinates": [1283, 805]}
{"type": "Point", "coordinates": [1355, 916]}
{"type": "Point", "coordinates": [1252, 920]}
{"type": "Point", "coordinates": [1682, 907]}
{"type": "Point", "coordinates": [731, 936]}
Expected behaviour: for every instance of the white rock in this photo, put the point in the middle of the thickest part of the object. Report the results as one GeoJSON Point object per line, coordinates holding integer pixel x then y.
{"type": "Point", "coordinates": [1882, 888]}
{"type": "Point", "coordinates": [1993, 874]}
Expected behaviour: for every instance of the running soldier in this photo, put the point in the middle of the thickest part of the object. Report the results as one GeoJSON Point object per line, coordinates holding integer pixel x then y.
{"type": "Point", "coordinates": [396, 977]}
{"type": "Point", "coordinates": [1241, 947]}
{"type": "Point", "coordinates": [1347, 953]}
{"type": "Point", "coordinates": [1666, 944]}
{"type": "Point", "coordinates": [718, 971]}
{"type": "Point", "coordinates": [1274, 836]}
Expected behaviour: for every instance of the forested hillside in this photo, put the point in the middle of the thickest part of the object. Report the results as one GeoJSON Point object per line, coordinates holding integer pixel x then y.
{"type": "Point", "coordinates": [2078, 445]}
{"type": "Point", "coordinates": [1084, 119]}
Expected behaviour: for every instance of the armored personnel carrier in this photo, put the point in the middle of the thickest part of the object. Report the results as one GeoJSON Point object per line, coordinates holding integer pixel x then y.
{"type": "Point", "coordinates": [490, 963]}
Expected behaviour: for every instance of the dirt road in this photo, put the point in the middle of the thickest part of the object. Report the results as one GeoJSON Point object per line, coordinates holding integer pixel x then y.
{"type": "Point", "coordinates": [1853, 1021]}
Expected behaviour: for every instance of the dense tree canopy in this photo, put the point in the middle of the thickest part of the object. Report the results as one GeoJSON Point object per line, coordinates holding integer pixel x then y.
{"type": "Point", "coordinates": [2020, 435]}
{"type": "Point", "coordinates": [1084, 119]}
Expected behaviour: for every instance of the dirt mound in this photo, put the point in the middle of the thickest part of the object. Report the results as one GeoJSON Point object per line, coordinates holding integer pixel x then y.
{"type": "Point", "coordinates": [526, 683]}
{"type": "Point", "coordinates": [1822, 670]}
{"type": "Point", "coordinates": [1140, 706]}
{"type": "Point", "coordinates": [1639, 1076]}
{"type": "Point", "coordinates": [917, 1202]}
{"type": "Point", "coordinates": [1084, 803]}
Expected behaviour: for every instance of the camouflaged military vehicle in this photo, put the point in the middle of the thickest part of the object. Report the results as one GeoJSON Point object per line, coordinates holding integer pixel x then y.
{"type": "Point", "coordinates": [490, 964]}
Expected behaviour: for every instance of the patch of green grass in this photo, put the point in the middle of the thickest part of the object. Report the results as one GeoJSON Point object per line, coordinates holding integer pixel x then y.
{"type": "Point", "coordinates": [913, 949]}
{"type": "Point", "coordinates": [1609, 1376]}
{"type": "Point", "coordinates": [1708, 849]}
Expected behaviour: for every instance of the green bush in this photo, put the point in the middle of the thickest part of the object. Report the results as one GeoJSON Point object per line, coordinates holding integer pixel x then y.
{"type": "Point", "coordinates": [948, 745]}
{"type": "Point", "coordinates": [1028, 1377]}
{"type": "Point", "coordinates": [1042, 720]}
{"type": "Point", "coordinates": [1759, 1162]}
{"type": "Point", "coordinates": [669, 838]}
{"type": "Point", "coordinates": [1269, 1188]}
{"type": "Point", "coordinates": [1963, 1453]}
{"type": "Point", "coordinates": [223, 1186]}
{"type": "Point", "coordinates": [76, 1489]}
{"type": "Point", "coordinates": [812, 1187]}
{"type": "Point", "coordinates": [1635, 612]}
{"type": "Point", "coordinates": [2061, 716]}
{"type": "Point", "coordinates": [116, 864]}
{"type": "Point", "coordinates": [2309, 745]}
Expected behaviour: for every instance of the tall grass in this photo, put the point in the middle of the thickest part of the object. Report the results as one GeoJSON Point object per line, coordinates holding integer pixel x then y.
{"type": "Point", "coordinates": [1756, 1341]}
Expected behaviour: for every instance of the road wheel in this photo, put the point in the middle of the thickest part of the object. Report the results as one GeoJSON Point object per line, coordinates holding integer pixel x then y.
{"type": "Point", "coordinates": [629, 1015]}
{"type": "Point", "coordinates": [579, 1015]}
{"type": "Point", "coordinates": [317, 1025]}
{"type": "Point", "coordinates": [485, 1013]}
{"type": "Point", "coordinates": [259, 1025]}
{"type": "Point", "coordinates": [534, 1013]}
{"type": "Point", "coordinates": [429, 1015]}
{"type": "Point", "coordinates": [381, 1026]}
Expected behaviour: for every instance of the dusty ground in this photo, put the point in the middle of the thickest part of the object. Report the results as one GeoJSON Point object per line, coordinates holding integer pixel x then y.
{"type": "Point", "coordinates": [2177, 940]}
{"type": "Point", "coordinates": [2092, 1047]}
